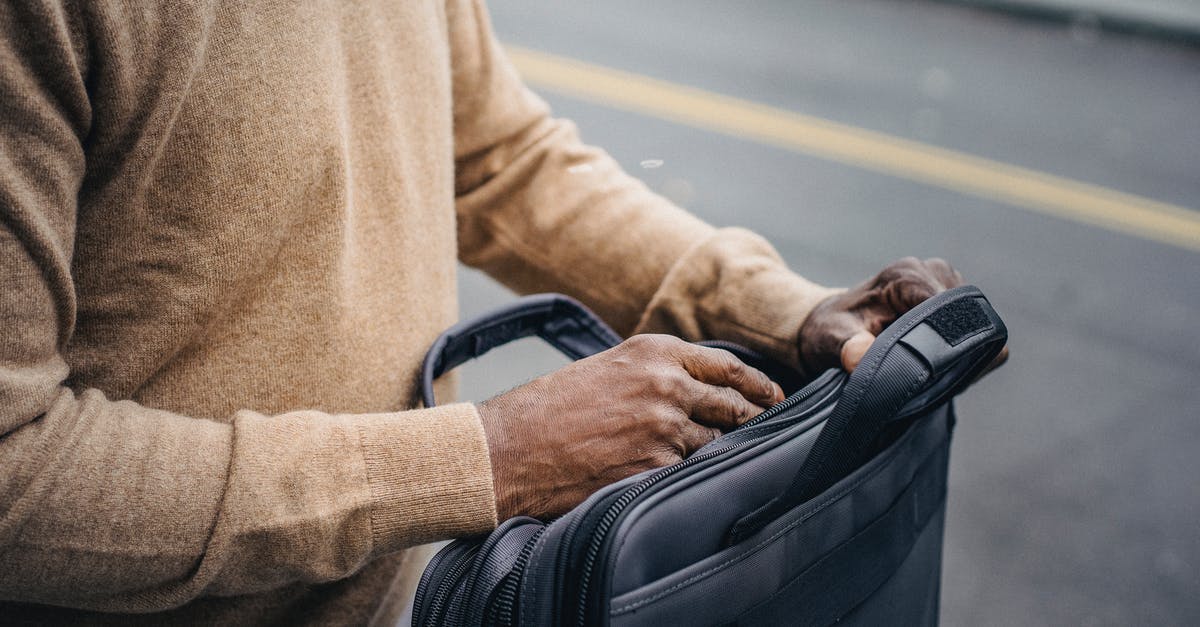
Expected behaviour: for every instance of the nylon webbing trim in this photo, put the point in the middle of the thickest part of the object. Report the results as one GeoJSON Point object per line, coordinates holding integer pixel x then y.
{"type": "Point", "coordinates": [851, 572]}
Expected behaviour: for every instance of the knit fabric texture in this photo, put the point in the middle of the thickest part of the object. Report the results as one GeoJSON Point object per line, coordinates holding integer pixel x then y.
{"type": "Point", "coordinates": [228, 232]}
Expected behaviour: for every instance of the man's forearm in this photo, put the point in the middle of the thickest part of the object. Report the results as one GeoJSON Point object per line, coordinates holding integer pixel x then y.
{"type": "Point", "coordinates": [113, 506]}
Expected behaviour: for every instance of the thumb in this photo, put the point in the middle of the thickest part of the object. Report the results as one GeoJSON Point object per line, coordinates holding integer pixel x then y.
{"type": "Point", "coordinates": [854, 349]}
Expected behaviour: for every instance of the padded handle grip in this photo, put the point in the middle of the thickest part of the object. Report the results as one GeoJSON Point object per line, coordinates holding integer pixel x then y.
{"type": "Point", "coordinates": [559, 320]}
{"type": "Point", "coordinates": [922, 359]}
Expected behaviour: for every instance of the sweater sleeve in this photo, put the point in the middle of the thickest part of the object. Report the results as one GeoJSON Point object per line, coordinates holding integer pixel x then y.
{"type": "Point", "coordinates": [541, 211]}
{"type": "Point", "coordinates": [113, 506]}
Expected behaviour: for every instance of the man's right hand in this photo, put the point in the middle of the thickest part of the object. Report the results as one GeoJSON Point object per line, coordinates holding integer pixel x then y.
{"type": "Point", "coordinates": [646, 403]}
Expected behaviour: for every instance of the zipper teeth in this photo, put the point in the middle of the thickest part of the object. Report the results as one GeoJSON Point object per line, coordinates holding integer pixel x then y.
{"type": "Point", "coordinates": [562, 557]}
{"type": "Point", "coordinates": [614, 510]}
{"type": "Point", "coordinates": [441, 596]}
{"type": "Point", "coordinates": [424, 585]}
{"type": "Point", "coordinates": [506, 597]}
{"type": "Point", "coordinates": [788, 403]}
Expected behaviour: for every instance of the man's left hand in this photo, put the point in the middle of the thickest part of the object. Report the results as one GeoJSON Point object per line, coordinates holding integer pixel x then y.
{"type": "Point", "coordinates": [840, 329]}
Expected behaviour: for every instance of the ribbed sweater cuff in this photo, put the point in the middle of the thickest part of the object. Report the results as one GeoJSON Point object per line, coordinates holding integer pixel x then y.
{"type": "Point", "coordinates": [734, 286]}
{"type": "Point", "coordinates": [429, 474]}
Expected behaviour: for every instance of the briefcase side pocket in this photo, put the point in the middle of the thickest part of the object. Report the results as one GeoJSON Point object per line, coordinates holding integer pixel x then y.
{"type": "Point", "coordinates": [874, 513]}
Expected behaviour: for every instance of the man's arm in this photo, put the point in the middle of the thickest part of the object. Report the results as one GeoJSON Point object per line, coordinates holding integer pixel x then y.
{"type": "Point", "coordinates": [113, 506]}
{"type": "Point", "coordinates": [541, 211]}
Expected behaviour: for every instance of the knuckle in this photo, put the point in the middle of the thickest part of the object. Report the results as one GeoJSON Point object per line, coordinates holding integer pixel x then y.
{"type": "Point", "coordinates": [663, 341]}
{"type": "Point", "coordinates": [901, 267]}
{"type": "Point", "coordinates": [743, 409]}
{"type": "Point", "coordinates": [760, 381]}
{"type": "Point", "coordinates": [653, 345]}
{"type": "Point", "coordinates": [667, 383]}
{"type": "Point", "coordinates": [728, 367]}
{"type": "Point", "coordinates": [945, 272]}
{"type": "Point", "coordinates": [698, 437]}
{"type": "Point", "coordinates": [686, 432]}
{"type": "Point", "coordinates": [639, 342]}
{"type": "Point", "coordinates": [728, 405]}
{"type": "Point", "coordinates": [666, 421]}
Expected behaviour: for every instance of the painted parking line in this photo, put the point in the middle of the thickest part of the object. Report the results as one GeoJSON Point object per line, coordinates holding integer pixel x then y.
{"type": "Point", "coordinates": [958, 171]}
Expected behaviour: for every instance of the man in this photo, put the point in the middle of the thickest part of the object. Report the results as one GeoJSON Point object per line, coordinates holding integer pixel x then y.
{"type": "Point", "coordinates": [230, 232]}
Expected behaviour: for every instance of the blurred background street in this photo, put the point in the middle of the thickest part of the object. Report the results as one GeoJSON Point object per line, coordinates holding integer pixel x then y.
{"type": "Point", "coordinates": [1075, 481]}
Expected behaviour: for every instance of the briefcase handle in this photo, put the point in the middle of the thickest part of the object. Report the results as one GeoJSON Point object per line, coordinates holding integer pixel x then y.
{"type": "Point", "coordinates": [922, 359]}
{"type": "Point", "coordinates": [561, 321]}
{"type": "Point", "coordinates": [565, 324]}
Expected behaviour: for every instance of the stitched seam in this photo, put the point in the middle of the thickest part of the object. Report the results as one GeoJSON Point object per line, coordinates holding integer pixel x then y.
{"type": "Point", "coordinates": [371, 487]}
{"type": "Point", "coordinates": [598, 330]}
{"type": "Point", "coordinates": [851, 539]}
{"type": "Point", "coordinates": [694, 578]}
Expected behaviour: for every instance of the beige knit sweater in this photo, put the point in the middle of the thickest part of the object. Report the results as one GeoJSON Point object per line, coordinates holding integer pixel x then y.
{"type": "Point", "coordinates": [228, 231]}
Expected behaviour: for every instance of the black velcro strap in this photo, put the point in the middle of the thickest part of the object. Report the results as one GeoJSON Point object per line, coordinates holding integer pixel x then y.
{"type": "Point", "coordinates": [959, 320]}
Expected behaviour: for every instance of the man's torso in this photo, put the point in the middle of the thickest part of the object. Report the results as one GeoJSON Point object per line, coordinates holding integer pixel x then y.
{"type": "Point", "coordinates": [266, 223]}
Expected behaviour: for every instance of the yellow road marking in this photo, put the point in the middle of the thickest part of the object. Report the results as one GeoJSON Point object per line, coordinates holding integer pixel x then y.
{"type": "Point", "coordinates": [949, 169]}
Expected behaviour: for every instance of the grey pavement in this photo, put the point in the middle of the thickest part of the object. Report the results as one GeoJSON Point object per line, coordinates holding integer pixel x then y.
{"type": "Point", "coordinates": [1075, 497]}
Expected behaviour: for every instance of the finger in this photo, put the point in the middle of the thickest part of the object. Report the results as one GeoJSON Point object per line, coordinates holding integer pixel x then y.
{"type": "Point", "coordinates": [693, 436]}
{"type": "Point", "coordinates": [823, 336]}
{"type": "Point", "coordinates": [904, 285]}
{"type": "Point", "coordinates": [721, 368]}
{"type": "Point", "coordinates": [943, 272]}
{"type": "Point", "coordinates": [996, 363]}
{"type": "Point", "coordinates": [720, 407]}
{"type": "Point", "coordinates": [999, 360]}
{"type": "Point", "coordinates": [854, 349]}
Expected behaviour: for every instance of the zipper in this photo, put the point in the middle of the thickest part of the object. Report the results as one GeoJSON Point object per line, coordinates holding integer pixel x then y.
{"type": "Point", "coordinates": [455, 561]}
{"type": "Point", "coordinates": [564, 554]}
{"type": "Point", "coordinates": [442, 556]}
{"type": "Point", "coordinates": [817, 385]}
{"type": "Point", "coordinates": [613, 512]}
{"type": "Point", "coordinates": [459, 562]}
{"type": "Point", "coordinates": [504, 608]}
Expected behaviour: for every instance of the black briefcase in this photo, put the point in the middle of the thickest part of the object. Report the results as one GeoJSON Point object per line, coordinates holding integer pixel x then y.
{"type": "Point", "coordinates": [827, 507]}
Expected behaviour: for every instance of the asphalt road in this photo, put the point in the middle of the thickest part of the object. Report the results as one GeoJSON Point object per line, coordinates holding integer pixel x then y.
{"type": "Point", "coordinates": [1075, 485]}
